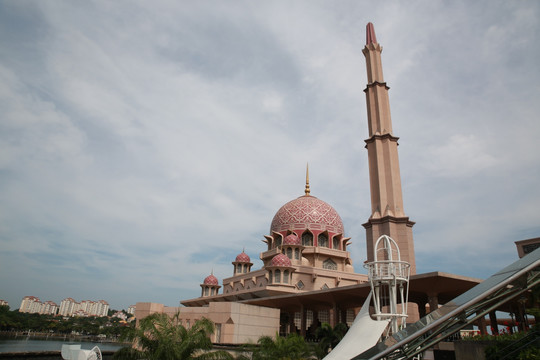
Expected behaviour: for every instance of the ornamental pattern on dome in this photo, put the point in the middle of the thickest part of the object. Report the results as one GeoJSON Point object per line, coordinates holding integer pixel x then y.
{"type": "Point", "coordinates": [292, 239]}
{"type": "Point", "coordinates": [305, 211]}
{"type": "Point", "coordinates": [243, 258]}
{"type": "Point", "coordinates": [281, 260]}
{"type": "Point", "coordinates": [210, 280]}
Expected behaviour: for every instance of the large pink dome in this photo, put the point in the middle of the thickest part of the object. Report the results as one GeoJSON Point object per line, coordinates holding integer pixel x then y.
{"type": "Point", "coordinates": [307, 212]}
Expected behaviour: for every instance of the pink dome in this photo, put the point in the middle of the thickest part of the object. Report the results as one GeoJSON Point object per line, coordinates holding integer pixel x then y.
{"type": "Point", "coordinates": [280, 260]}
{"type": "Point", "coordinates": [210, 280]}
{"type": "Point", "coordinates": [292, 239]}
{"type": "Point", "coordinates": [243, 258]}
{"type": "Point", "coordinates": [307, 212]}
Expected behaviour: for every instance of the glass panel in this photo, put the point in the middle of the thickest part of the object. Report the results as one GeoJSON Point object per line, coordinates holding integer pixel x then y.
{"type": "Point", "coordinates": [323, 240]}
{"type": "Point", "coordinates": [307, 239]}
{"type": "Point", "coordinates": [329, 264]}
{"type": "Point", "coordinates": [277, 276]}
{"type": "Point", "coordinates": [436, 319]}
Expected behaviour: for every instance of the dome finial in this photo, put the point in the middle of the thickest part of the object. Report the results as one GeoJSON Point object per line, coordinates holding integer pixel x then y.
{"type": "Point", "coordinates": [307, 180]}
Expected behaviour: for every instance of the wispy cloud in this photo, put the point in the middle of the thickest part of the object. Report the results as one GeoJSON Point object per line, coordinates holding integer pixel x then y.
{"type": "Point", "coordinates": [142, 146]}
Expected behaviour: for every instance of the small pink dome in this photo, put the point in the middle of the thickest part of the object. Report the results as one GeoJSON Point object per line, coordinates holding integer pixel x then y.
{"type": "Point", "coordinates": [243, 258]}
{"type": "Point", "coordinates": [292, 239]}
{"type": "Point", "coordinates": [280, 260]}
{"type": "Point", "coordinates": [210, 280]}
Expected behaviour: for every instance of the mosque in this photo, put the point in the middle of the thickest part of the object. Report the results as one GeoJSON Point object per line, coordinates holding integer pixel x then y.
{"type": "Point", "coordinates": [307, 277]}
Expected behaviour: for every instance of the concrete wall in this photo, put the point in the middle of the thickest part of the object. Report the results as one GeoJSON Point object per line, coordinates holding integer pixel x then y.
{"type": "Point", "coordinates": [471, 350]}
{"type": "Point", "coordinates": [235, 323]}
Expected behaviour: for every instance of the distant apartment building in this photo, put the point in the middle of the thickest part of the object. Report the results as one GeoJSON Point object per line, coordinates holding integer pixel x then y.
{"type": "Point", "coordinates": [70, 307]}
{"type": "Point", "coordinates": [32, 305]}
{"type": "Point", "coordinates": [131, 310]}
{"type": "Point", "coordinates": [48, 308]}
{"type": "Point", "coordinates": [5, 303]}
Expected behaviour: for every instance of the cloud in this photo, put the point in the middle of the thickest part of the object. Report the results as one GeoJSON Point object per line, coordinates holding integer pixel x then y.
{"type": "Point", "coordinates": [142, 146]}
{"type": "Point", "coordinates": [461, 156]}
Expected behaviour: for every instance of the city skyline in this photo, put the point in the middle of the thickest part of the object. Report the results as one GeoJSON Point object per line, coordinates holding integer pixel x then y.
{"type": "Point", "coordinates": [144, 146]}
{"type": "Point", "coordinates": [68, 307]}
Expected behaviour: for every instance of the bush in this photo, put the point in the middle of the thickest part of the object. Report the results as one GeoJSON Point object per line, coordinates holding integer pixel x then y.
{"type": "Point", "coordinates": [522, 343]}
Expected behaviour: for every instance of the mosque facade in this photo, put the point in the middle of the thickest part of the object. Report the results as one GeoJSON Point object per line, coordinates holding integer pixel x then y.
{"type": "Point", "coordinates": [307, 276]}
{"type": "Point", "coordinates": [306, 250]}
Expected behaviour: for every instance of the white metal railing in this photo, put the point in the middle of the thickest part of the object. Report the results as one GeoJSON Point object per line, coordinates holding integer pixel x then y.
{"type": "Point", "coordinates": [390, 269]}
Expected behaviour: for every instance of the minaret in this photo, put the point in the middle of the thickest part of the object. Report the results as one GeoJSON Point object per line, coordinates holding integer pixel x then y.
{"type": "Point", "coordinates": [387, 214]}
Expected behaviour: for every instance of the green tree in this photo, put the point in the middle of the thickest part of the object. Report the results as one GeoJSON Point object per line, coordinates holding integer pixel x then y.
{"type": "Point", "coordinates": [159, 336]}
{"type": "Point", "coordinates": [329, 337]}
{"type": "Point", "coordinates": [292, 347]}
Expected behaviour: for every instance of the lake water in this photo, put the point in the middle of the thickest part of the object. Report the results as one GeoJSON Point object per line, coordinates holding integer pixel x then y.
{"type": "Point", "coordinates": [24, 344]}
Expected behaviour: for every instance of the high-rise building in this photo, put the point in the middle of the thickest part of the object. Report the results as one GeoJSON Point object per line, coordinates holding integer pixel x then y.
{"type": "Point", "coordinates": [48, 308]}
{"type": "Point", "coordinates": [67, 307]}
{"type": "Point", "coordinates": [70, 307]}
{"type": "Point", "coordinates": [30, 304]}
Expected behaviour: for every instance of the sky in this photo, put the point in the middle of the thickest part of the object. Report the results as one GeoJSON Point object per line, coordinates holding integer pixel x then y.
{"type": "Point", "coordinates": [144, 144]}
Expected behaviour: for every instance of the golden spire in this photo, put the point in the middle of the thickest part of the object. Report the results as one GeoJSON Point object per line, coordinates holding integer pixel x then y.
{"type": "Point", "coordinates": [307, 180]}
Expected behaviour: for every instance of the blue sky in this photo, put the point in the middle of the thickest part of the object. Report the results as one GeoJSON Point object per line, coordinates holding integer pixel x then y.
{"type": "Point", "coordinates": [145, 144]}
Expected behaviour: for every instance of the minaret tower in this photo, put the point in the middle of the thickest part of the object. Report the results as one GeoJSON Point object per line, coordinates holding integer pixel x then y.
{"type": "Point", "coordinates": [387, 214]}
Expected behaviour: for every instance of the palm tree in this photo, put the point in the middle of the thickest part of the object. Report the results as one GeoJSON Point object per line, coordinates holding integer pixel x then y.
{"type": "Point", "coordinates": [160, 337]}
{"type": "Point", "coordinates": [292, 347]}
{"type": "Point", "coordinates": [329, 338]}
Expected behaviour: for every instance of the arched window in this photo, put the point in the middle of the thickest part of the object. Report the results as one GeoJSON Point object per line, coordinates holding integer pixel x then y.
{"type": "Point", "coordinates": [286, 277]}
{"type": "Point", "coordinates": [206, 291]}
{"type": "Point", "coordinates": [335, 244]}
{"type": "Point", "coordinates": [212, 291]}
{"type": "Point", "coordinates": [278, 240]}
{"type": "Point", "coordinates": [245, 268]}
{"type": "Point", "coordinates": [277, 276]}
{"type": "Point", "coordinates": [323, 240]}
{"type": "Point", "coordinates": [289, 253]}
{"type": "Point", "coordinates": [307, 239]}
{"type": "Point", "coordinates": [296, 253]}
{"type": "Point", "coordinates": [329, 264]}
